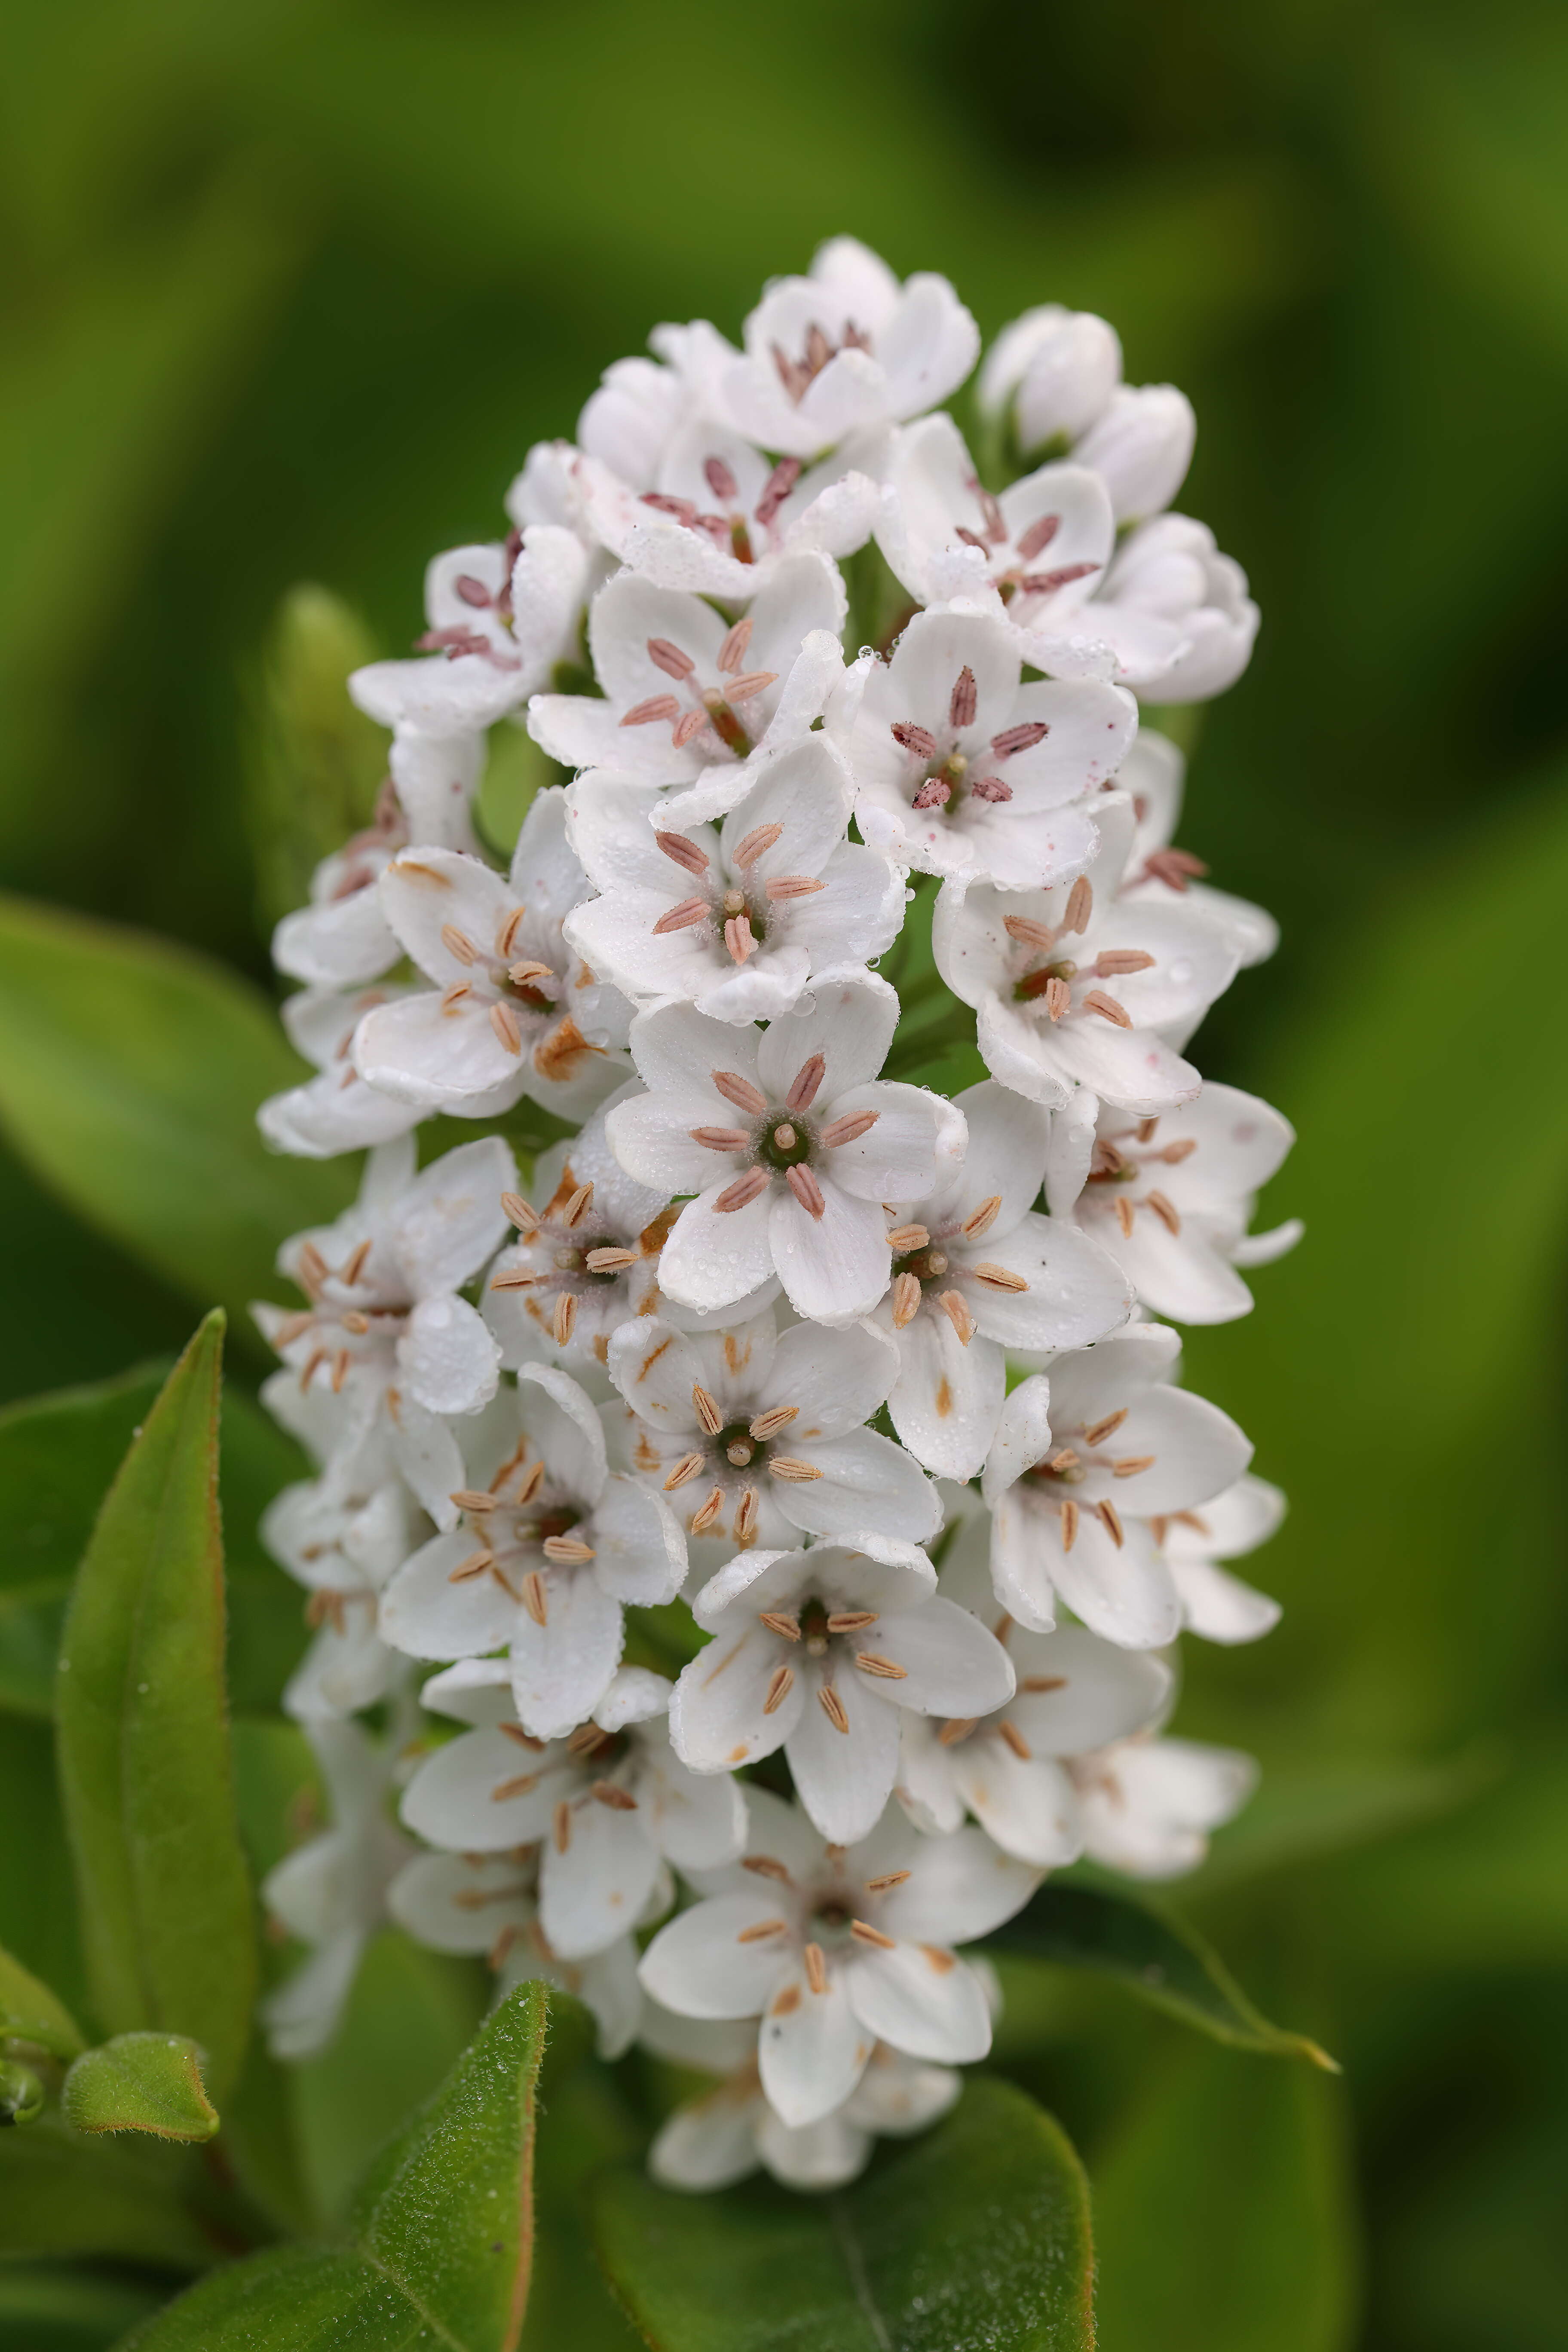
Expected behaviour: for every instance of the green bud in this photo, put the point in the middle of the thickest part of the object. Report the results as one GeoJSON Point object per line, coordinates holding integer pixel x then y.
{"type": "Point", "coordinates": [21, 2093]}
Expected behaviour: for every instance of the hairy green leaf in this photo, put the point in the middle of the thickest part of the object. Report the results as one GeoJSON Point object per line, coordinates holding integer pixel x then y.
{"type": "Point", "coordinates": [140, 2082]}
{"type": "Point", "coordinates": [1223, 2211]}
{"type": "Point", "coordinates": [145, 1759]}
{"type": "Point", "coordinates": [1160, 1959]}
{"type": "Point", "coordinates": [439, 2246]}
{"type": "Point", "coordinates": [57, 1455]}
{"type": "Point", "coordinates": [129, 1073]}
{"type": "Point", "coordinates": [29, 2012]}
{"type": "Point", "coordinates": [976, 2233]}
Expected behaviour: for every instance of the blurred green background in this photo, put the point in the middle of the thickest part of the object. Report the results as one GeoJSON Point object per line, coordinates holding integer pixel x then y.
{"type": "Point", "coordinates": [290, 287]}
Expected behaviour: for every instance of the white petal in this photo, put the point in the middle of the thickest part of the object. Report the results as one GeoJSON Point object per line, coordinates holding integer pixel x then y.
{"type": "Point", "coordinates": [448, 1357]}
{"type": "Point", "coordinates": [1026, 1806]}
{"type": "Point", "coordinates": [560, 1670]}
{"type": "Point", "coordinates": [451, 1801]}
{"type": "Point", "coordinates": [811, 2049]}
{"type": "Point", "coordinates": [953, 1664]}
{"type": "Point", "coordinates": [919, 1998]}
{"type": "Point", "coordinates": [698, 1966]}
{"type": "Point", "coordinates": [1096, 1692]}
{"type": "Point", "coordinates": [716, 1715]}
{"type": "Point", "coordinates": [594, 1891]}
{"type": "Point", "coordinates": [715, 1257]}
{"type": "Point", "coordinates": [821, 2156]}
{"type": "Point", "coordinates": [948, 1397]}
{"type": "Point", "coordinates": [640, 1551]}
{"type": "Point", "coordinates": [1219, 1607]}
{"type": "Point", "coordinates": [844, 1779]}
{"type": "Point", "coordinates": [709, 2143]}
{"type": "Point", "coordinates": [424, 1613]}
{"type": "Point", "coordinates": [960, 1887]}
{"type": "Point", "coordinates": [834, 1267]}
{"type": "Point", "coordinates": [865, 1482]}
{"type": "Point", "coordinates": [850, 1023]}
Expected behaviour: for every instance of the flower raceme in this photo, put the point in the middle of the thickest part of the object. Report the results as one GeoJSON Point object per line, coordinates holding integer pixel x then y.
{"type": "Point", "coordinates": [778, 1392]}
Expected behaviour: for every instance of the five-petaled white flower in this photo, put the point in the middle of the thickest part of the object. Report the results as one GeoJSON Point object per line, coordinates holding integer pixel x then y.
{"type": "Point", "coordinates": [552, 1546]}
{"type": "Point", "coordinates": [723, 520]}
{"type": "Point", "coordinates": [727, 2133]}
{"type": "Point", "coordinates": [819, 1653]}
{"type": "Point", "coordinates": [1215, 1604]}
{"type": "Point", "coordinates": [334, 1111]}
{"type": "Point", "coordinates": [1014, 1769]}
{"type": "Point", "coordinates": [1085, 1457]}
{"type": "Point", "coordinates": [683, 689]}
{"type": "Point", "coordinates": [487, 1904]}
{"type": "Point", "coordinates": [499, 618]}
{"type": "Point", "coordinates": [758, 1435]}
{"type": "Point", "coordinates": [1147, 1805]}
{"type": "Point", "coordinates": [332, 1892]}
{"type": "Point", "coordinates": [834, 1948]}
{"type": "Point", "coordinates": [735, 918]}
{"type": "Point", "coordinates": [845, 350]}
{"type": "Point", "coordinates": [608, 1806]}
{"type": "Point", "coordinates": [585, 1259]}
{"type": "Point", "coordinates": [386, 1332]}
{"type": "Point", "coordinates": [342, 938]}
{"type": "Point", "coordinates": [513, 1011]}
{"type": "Point", "coordinates": [1171, 1198]}
{"type": "Point", "coordinates": [960, 770]}
{"type": "Point", "coordinates": [808, 1141]}
{"type": "Point", "coordinates": [1075, 987]}
{"type": "Point", "coordinates": [976, 1271]}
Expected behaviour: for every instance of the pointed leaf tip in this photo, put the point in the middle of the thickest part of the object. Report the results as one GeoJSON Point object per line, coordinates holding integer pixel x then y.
{"type": "Point", "coordinates": [140, 2082]}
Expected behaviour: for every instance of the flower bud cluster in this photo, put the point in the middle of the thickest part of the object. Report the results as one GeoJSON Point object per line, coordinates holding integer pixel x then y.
{"type": "Point", "coordinates": [780, 1462]}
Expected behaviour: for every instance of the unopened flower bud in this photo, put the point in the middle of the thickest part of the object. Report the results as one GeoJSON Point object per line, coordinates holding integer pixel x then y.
{"type": "Point", "coordinates": [1141, 448]}
{"type": "Point", "coordinates": [21, 2093]}
{"type": "Point", "coordinates": [1059, 368]}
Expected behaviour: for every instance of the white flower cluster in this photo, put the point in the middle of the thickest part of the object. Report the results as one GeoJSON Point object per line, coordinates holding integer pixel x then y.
{"type": "Point", "coordinates": [733, 1381]}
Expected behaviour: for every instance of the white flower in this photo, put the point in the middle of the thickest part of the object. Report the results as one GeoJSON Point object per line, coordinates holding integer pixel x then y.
{"type": "Point", "coordinates": [608, 1807]}
{"type": "Point", "coordinates": [1013, 1768]}
{"type": "Point", "coordinates": [335, 1111]}
{"type": "Point", "coordinates": [1178, 611]}
{"type": "Point", "coordinates": [727, 2132]}
{"type": "Point", "coordinates": [737, 919]}
{"type": "Point", "coordinates": [628, 423]}
{"type": "Point", "coordinates": [485, 1904]}
{"type": "Point", "coordinates": [1172, 1197]}
{"type": "Point", "coordinates": [1076, 986]}
{"type": "Point", "coordinates": [1085, 1458]}
{"type": "Point", "coordinates": [844, 350]}
{"type": "Point", "coordinates": [682, 689]}
{"type": "Point", "coordinates": [723, 519]}
{"type": "Point", "coordinates": [1035, 553]}
{"type": "Point", "coordinates": [553, 1546]}
{"type": "Point", "coordinates": [1141, 445]}
{"type": "Point", "coordinates": [499, 618]}
{"type": "Point", "coordinates": [758, 1436]}
{"type": "Point", "coordinates": [385, 1333]}
{"type": "Point", "coordinates": [819, 1653]}
{"type": "Point", "coordinates": [343, 1536]}
{"type": "Point", "coordinates": [835, 1947]}
{"type": "Point", "coordinates": [1147, 1805]}
{"type": "Point", "coordinates": [585, 1259]}
{"type": "Point", "coordinates": [513, 1011]}
{"type": "Point", "coordinates": [960, 770]}
{"type": "Point", "coordinates": [977, 1271]}
{"type": "Point", "coordinates": [1160, 875]}
{"type": "Point", "coordinates": [332, 1891]}
{"type": "Point", "coordinates": [1059, 368]}
{"type": "Point", "coordinates": [1215, 1606]}
{"type": "Point", "coordinates": [807, 1141]}
{"type": "Point", "coordinates": [342, 938]}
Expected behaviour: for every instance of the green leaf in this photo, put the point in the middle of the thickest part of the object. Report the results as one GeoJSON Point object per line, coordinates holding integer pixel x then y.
{"type": "Point", "coordinates": [439, 2245]}
{"type": "Point", "coordinates": [140, 2082]}
{"type": "Point", "coordinates": [129, 1073]}
{"type": "Point", "coordinates": [1223, 2211]}
{"type": "Point", "coordinates": [1160, 1959]}
{"type": "Point", "coordinates": [57, 1456]}
{"type": "Point", "coordinates": [145, 1769]}
{"type": "Point", "coordinates": [976, 2233]}
{"type": "Point", "coordinates": [29, 2012]}
{"type": "Point", "coordinates": [63, 2194]}
{"type": "Point", "coordinates": [316, 759]}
